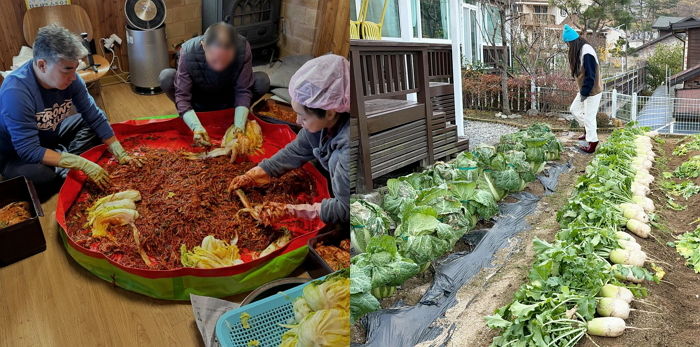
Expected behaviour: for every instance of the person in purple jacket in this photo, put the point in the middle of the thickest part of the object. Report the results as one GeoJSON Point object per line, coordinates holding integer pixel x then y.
{"type": "Point", "coordinates": [41, 137]}
{"type": "Point", "coordinates": [214, 72]}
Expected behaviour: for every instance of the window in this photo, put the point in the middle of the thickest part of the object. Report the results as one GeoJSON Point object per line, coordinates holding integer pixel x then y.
{"type": "Point", "coordinates": [353, 10]}
{"type": "Point", "coordinates": [430, 18]}
{"type": "Point", "coordinates": [562, 12]}
{"type": "Point", "coordinates": [492, 28]}
{"type": "Point", "coordinates": [470, 45]}
{"type": "Point", "coordinates": [391, 26]}
{"type": "Point", "coordinates": [518, 8]}
{"type": "Point", "coordinates": [541, 9]}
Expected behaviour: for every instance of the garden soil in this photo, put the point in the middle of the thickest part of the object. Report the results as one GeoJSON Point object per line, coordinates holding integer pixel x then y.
{"type": "Point", "coordinates": [494, 287]}
{"type": "Point", "coordinates": [677, 296]}
{"type": "Point", "coordinates": [463, 324]}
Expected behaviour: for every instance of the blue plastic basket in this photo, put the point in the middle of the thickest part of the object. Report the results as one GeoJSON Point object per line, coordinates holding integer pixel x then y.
{"type": "Point", "coordinates": [266, 315]}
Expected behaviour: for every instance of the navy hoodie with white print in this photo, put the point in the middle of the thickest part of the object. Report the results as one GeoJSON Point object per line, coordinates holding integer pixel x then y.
{"type": "Point", "coordinates": [30, 114]}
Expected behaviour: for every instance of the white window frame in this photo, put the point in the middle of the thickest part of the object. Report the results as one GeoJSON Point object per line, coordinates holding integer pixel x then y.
{"type": "Point", "coordinates": [465, 23]}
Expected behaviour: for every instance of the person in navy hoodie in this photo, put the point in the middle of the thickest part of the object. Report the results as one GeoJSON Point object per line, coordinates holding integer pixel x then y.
{"type": "Point", "coordinates": [41, 136]}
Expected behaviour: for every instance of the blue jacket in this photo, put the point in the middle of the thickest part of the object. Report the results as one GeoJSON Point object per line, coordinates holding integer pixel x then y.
{"type": "Point", "coordinates": [30, 115]}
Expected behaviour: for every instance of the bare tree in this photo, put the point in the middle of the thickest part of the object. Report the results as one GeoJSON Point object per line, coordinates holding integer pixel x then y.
{"type": "Point", "coordinates": [535, 48]}
{"type": "Point", "coordinates": [592, 16]}
{"type": "Point", "coordinates": [502, 7]}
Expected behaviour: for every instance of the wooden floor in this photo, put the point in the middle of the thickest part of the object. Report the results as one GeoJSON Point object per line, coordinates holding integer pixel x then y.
{"type": "Point", "coordinates": [121, 104]}
{"type": "Point", "coordinates": [49, 300]}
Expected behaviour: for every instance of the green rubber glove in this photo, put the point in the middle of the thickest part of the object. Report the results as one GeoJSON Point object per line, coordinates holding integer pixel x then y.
{"type": "Point", "coordinates": [120, 154]}
{"type": "Point", "coordinates": [240, 117]}
{"type": "Point", "coordinates": [96, 173]}
{"type": "Point", "coordinates": [201, 138]}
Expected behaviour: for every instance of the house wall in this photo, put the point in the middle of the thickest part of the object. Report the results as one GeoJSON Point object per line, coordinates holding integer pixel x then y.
{"type": "Point", "coordinates": [528, 8]}
{"type": "Point", "coordinates": [298, 26]}
{"type": "Point", "coordinates": [183, 20]}
{"type": "Point", "coordinates": [693, 48]}
{"type": "Point", "coordinates": [107, 18]}
{"type": "Point", "coordinates": [645, 53]}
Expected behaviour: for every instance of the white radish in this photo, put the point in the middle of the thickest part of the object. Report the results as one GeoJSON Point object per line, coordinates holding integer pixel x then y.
{"type": "Point", "coordinates": [638, 228]}
{"type": "Point", "coordinates": [606, 326]}
{"type": "Point", "coordinates": [638, 189]}
{"type": "Point", "coordinates": [628, 257]}
{"type": "Point", "coordinates": [629, 245]}
{"type": "Point", "coordinates": [621, 235]}
{"type": "Point", "coordinates": [617, 270]}
{"type": "Point", "coordinates": [643, 147]}
{"type": "Point", "coordinates": [634, 211]}
{"type": "Point", "coordinates": [642, 139]}
{"type": "Point", "coordinates": [642, 163]}
{"type": "Point", "coordinates": [639, 168]}
{"type": "Point", "coordinates": [610, 307]}
{"type": "Point", "coordinates": [616, 292]}
{"type": "Point", "coordinates": [646, 203]}
{"type": "Point", "coordinates": [643, 142]}
{"type": "Point", "coordinates": [644, 179]}
{"type": "Point", "coordinates": [644, 184]}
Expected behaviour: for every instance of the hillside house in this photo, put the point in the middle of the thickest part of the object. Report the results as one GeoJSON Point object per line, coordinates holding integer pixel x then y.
{"type": "Point", "coordinates": [689, 78]}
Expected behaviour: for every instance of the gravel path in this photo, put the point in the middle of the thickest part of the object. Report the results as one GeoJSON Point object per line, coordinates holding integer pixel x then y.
{"type": "Point", "coordinates": [485, 132]}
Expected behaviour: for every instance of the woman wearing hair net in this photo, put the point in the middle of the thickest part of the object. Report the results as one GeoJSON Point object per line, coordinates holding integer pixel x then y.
{"type": "Point", "coordinates": [320, 93]}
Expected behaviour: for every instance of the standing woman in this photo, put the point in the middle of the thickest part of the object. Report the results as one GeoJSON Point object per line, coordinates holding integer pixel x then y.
{"type": "Point", "coordinates": [583, 62]}
{"type": "Point", "coordinates": [320, 92]}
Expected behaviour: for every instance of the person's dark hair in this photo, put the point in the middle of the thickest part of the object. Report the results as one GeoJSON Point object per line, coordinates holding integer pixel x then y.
{"type": "Point", "coordinates": [575, 47]}
{"type": "Point", "coordinates": [321, 113]}
{"type": "Point", "coordinates": [221, 34]}
{"type": "Point", "coordinates": [318, 112]}
{"type": "Point", "coordinates": [53, 43]}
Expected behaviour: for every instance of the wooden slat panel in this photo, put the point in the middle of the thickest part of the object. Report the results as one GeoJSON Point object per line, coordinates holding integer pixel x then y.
{"type": "Point", "coordinates": [399, 162]}
{"type": "Point", "coordinates": [406, 147]}
{"type": "Point", "coordinates": [396, 133]}
{"type": "Point", "coordinates": [394, 142]}
{"type": "Point", "coordinates": [383, 121]}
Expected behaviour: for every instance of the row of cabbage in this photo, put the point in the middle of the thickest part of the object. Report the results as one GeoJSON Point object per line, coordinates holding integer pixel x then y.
{"type": "Point", "coordinates": [423, 215]}
{"type": "Point", "coordinates": [584, 281]}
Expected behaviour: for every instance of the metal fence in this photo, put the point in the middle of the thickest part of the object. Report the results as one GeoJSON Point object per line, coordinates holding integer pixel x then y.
{"type": "Point", "coordinates": [668, 114]}
{"type": "Point", "coordinates": [659, 111]}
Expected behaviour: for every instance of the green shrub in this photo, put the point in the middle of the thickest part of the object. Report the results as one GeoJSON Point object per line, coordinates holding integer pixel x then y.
{"type": "Point", "coordinates": [664, 55]}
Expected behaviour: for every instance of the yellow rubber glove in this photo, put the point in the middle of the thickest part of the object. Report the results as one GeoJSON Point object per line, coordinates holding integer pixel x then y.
{"type": "Point", "coordinates": [122, 157]}
{"type": "Point", "coordinates": [200, 138]}
{"type": "Point", "coordinates": [96, 173]}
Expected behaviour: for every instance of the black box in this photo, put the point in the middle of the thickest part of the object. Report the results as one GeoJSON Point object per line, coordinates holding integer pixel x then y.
{"type": "Point", "coordinates": [23, 239]}
{"type": "Point", "coordinates": [316, 266]}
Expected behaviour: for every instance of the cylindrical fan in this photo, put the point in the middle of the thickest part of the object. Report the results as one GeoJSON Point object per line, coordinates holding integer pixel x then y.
{"type": "Point", "coordinates": [145, 14]}
{"type": "Point", "coordinates": [146, 43]}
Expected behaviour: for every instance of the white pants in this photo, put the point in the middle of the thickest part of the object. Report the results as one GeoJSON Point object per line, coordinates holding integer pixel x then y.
{"type": "Point", "coordinates": [585, 114]}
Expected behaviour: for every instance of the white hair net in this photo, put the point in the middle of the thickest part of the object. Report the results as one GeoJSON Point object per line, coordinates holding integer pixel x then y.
{"type": "Point", "coordinates": [324, 83]}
